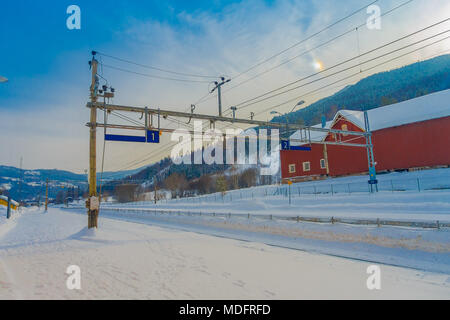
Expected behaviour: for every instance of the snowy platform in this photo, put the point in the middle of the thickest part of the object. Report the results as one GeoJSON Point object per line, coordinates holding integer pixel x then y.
{"type": "Point", "coordinates": [124, 260]}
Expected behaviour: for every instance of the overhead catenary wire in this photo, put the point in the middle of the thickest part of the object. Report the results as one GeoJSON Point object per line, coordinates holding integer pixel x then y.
{"type": "Point", "coordinates": [306, 39]}
{"type": "Point", "coordinates": [352, 75]}
{"type": "Point", "coordinates": [153, 155]}
{"type": "Point", "coordinates": [156, 153]}
{"type": "Point", "coordinates": [247, 102]}
{"type": "Point", "coordinates": [153, 76]}
{"type": "Point", "coordinates": [361, 71]}
{"type": "Point", "coordinates": [205, 98]}
{"type": "Point", "coordinates": [312, 49]}
{"type": "Point", "coordinates": [335, 73]}
{"type": "Point", "coordinates": [156, 68]}
{"type": "Point", "coordinates": [348, 77]}
{"type": "Point", "coordinates": [208, 97]}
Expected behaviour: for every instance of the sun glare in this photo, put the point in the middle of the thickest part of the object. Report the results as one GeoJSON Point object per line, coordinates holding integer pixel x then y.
{"type": "Point", "coordinates": [318, 65]}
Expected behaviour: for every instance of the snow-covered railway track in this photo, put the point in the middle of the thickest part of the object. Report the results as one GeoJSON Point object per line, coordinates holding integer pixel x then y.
{"type": "Point", "coordinates": [374, 253]}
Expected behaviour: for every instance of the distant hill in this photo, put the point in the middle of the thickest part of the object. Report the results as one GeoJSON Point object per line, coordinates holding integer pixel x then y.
{"type": "Point", "coordinates": [380, 89]}
{"type": "Point", "coordinates": [24, 184]}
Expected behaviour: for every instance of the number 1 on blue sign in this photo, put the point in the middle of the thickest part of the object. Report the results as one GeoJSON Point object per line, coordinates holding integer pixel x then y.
{"type": "Point", "coordinates": [152, 136]}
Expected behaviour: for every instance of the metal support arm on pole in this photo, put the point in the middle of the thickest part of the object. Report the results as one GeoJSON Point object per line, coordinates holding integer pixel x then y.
{"type": "Point", "coordinates": [219, 92]}
{"type": "Point", "coordinates": [166, 113]}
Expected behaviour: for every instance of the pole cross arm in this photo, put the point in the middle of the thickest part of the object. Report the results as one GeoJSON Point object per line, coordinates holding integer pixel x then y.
{"type": "Point", "coordinates": [166, 113]}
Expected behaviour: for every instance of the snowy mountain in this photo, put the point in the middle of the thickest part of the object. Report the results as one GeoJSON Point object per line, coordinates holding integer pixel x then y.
{"type": "Point", "coordinates": [380, 89]}
{"type": "Point", "coordinates": [23, 184]}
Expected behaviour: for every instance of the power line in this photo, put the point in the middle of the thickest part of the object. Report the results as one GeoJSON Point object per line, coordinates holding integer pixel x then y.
{"type": "Point", "coordinates": [123, 117]}
{"type": "Point", "coordinates": [353, 75]}
{"type": "Point", "coordinates": [161, 150]}
{"type": "Point", "coordinates": [306, 39]}
{"type": "Point", "coordinates": [307, 51]}
{"type": "Point", "coordinates": [154, 154]}
{"type": "Point", "coordinates": [338, 72]}
{"type": "Point", "coordinates": [134, 163]}
{"type": "Point", "coordinates": [157, 68]}
{"type": "Point", "coordinates": [247, 102]}
{"type": "Point", "coordinates": [151, 75]}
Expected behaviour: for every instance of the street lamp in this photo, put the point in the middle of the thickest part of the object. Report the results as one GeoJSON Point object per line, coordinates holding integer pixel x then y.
{"type": "Point", "coordinates": [3, 79]}
{"type": "Point", "coordinates": [298, 104]}
{"type": "Point", "coordinates": [286, 115]}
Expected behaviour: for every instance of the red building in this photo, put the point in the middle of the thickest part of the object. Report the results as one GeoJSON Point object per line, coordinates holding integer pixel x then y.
{"type": "Point", "coordinates": [410, 134]}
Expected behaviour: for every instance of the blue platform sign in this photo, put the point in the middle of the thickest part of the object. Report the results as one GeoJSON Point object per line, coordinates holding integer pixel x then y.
{"type": "Point", "coordinates": [300, 148]}
{"type": "Point", "coordinates": [286, 145]}
{"type": "Point", "coordinates": [152, 137]}
{"type": "Point", "coordinates": [115, 137]}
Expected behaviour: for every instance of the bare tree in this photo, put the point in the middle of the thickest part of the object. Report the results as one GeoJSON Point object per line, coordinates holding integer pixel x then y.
{"type": "Point", "coordinates": [206, 184]}
{"type": "Point", "coordinates": [126, 193]}
{"type": "Point", "coordinates": [221, 184]}
{"type": "Point", "coordinates": [248, 178]}
{"type": "Point", "coordinates": [177, 184]}
{"type": "Point", "coordinates": [59, 197]}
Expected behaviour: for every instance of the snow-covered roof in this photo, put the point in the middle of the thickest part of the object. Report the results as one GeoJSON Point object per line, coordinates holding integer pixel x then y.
{"type": "Point", "coordinates": [431, 106]}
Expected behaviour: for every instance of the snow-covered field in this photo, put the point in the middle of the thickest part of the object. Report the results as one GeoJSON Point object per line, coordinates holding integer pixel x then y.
{"type": "Point", "coordinates": [140, 253]}
{"type": "Point", "coordinates": [127, 260]}
{"type": "Point", "coordinates": [406, 196]}
{"type": "Point", "coordinates": [408, 206]}
{"type": "Point", "coordinates": [5, 224]}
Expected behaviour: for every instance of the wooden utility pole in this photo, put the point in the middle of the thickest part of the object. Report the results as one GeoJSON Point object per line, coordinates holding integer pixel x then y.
{"type": "Point", "coordinates": [46, 195]}
{"type": "Point", "coordinates": [93, 203]}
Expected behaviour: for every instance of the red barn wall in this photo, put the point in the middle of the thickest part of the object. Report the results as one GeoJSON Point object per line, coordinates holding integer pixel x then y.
{"type": "Point", "coordinates": [297, 157]}
{"type": "Point", "coordinates": [343, 160]}
{"type": "Point", "coordinates": [420, 144]}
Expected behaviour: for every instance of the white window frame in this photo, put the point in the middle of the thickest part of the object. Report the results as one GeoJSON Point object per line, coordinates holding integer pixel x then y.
{"type": "Point", "coordinates": [344, 127]}
{"type": "Point", "coordinates": [290, 168]}
{"type": "Point", "coordinates": [324, 166]}
{"type": "Point", "coordinates": [306, 163]}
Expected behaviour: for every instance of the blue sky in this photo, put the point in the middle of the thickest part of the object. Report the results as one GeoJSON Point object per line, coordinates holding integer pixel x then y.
{"type": "Point", "coordinates": [43, 104]}
{"type": "Point", "coordinates": [34, 35]}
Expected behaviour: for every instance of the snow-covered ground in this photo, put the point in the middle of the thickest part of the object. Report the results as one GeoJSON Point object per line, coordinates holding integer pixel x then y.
{"type": "Point", "coordinates": [408, 206]}
{"type": "Point", "coordinates": [404, 196]}
{"type": "Point", "coordinates": [170, 253]}
{"type": "Point", "coordinates": [7, 224]}
{"type": "Point", "coordinates": [128, 260]}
